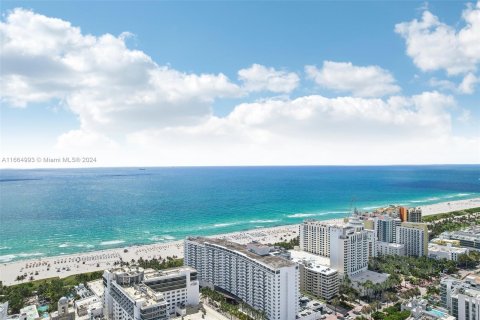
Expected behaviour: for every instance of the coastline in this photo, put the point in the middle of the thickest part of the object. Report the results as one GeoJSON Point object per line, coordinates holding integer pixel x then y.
{"type": "Point", "coordinates": [67, 265]}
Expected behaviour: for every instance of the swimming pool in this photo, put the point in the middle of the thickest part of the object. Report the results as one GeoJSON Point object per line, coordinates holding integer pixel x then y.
{"type": "Point", "coordinates": [437, 313]}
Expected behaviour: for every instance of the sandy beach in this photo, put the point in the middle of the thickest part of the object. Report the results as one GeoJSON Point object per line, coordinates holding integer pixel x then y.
{"type": "Point", "coordinates": [66, 265]}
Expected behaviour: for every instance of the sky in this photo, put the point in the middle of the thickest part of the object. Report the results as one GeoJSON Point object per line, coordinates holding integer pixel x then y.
{"type": "Point", "coordinates": [163, 83]}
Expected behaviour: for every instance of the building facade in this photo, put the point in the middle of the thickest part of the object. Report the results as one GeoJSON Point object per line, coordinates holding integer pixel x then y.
{"type": "Point", "coordinates": [315, 237]}
{"type": "Point", "coordinates": [414, 236]}
{"type": "Point", "coordinates": [266, 283]}
{"type": "Point", "coordinates": [461, 298]}
{"type": "Point", "coordinates": [449, 252]}
{"type": "Point", "coordinates": [349, 247]}
{"type": "Point", "coordinates": [391, 249]}
{"type": "Point", "coordinates": [414, 215]}
{"type": "Point", "coordinates": [386, 228]}
{"type": "Point", "coordinates": [138, 294]}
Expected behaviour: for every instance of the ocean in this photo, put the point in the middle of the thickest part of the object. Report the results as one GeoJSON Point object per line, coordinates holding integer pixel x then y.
{"type": "Point", "coordinates": [48, 212]}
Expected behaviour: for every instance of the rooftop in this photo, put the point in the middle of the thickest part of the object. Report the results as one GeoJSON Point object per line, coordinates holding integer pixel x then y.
{"type": "Point", "coordinates": [138, 292]}
{"type": "Point", "coordinates": [274, 262]}
{"type": "Point", "coordinates": [30, 311]}
{"type": "Point", "coordinates": [96, 287]}
{"type": "Point", "coordinates": [375, 277]}
{"type": "Point", "coordinates": [437, 247]}
{"type": "Point", "coordinates": [152, 273]}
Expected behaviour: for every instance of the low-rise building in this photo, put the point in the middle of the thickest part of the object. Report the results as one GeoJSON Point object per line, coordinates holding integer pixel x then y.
{"type": "Point", "coordinates": [420, 309]}
{"type": "Point", "coordinates": [461, 297]}
{"type": "Point", "coordinates": [64, 311]}
{"type": "Point", "coordinates": [469, 237]}
{"type": "Point", "coordinates": [448, 251]}
{"type": "Point", "coordinates": [390, 249]}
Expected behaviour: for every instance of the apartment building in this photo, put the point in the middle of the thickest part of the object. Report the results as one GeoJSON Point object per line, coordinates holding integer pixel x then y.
{"type": "Point", "coordinates": [414, 236]}
{"type": "Point", "coordinates": [461, 297]}
{"type": "Point", "coordinates": [265, 282]}
{"type": "Point", "coordinates": [315, 237]}
{"type": "Point", "coordinates": [149, 294]}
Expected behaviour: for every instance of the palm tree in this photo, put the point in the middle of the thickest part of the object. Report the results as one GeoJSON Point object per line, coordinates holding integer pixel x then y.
{"type": "Point", "coordinates": [335, 301]}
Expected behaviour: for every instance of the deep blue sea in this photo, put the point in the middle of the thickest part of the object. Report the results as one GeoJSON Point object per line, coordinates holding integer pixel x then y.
{"type": "Point", "coordinates": [51, 212]}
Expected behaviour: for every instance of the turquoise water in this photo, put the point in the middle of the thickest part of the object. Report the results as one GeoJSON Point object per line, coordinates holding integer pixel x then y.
{"type": "Point", "coordinates": [437, 313]}
{"type": "Point", "coordinates": [52, 212]}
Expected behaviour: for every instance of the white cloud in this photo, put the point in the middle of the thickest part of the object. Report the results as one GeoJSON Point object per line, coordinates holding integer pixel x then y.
{"type": "Point", "coordinates": [133, 111]}
{"type": "Point", "coordinates": [261, 78]}
{"type": "Point", "coordinates": [316, 129]}
{"type": "Point", "coordinates": [110, 87]}
{"type": "Point", "coordinates": [369, 81]}
{"type": "Point", "coordinates": [434, 45]}
{"type": "Point", "coordinates": [467, 86]}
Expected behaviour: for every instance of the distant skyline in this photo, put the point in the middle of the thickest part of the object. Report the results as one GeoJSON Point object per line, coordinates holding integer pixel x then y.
{"type": "Point", "coordinates": [153, 83]}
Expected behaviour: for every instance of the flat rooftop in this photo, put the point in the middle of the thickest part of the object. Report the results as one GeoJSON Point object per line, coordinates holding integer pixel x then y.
{"type": "Point", "coordinates": [274, 262]}
{"type": "Point", "coordinates": [174, 272]}
{"type": "Point", "coordinates": [298, 255]}
{"type": "Point", "coordinates": [375, 277]}
{"type": "Point", "coordinates": [438, 247]}
{"type": "Point", "coordinates": [392, 245]}
{"type": "Point", "coordinates": [144, 292]}
{"type": "Point", "coordinates": [96, 287]}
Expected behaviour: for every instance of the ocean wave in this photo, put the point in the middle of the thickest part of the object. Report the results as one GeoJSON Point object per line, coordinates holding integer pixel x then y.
{"type": "Point", "coordinates": [5, 248]}
{"type": "Point", "coordinates": [33, 254]}
{"type": "Point", "coordinates": [169, 237]}
{"type": "Point", "coordinates": [263, 221]}
{"type": "Point", "coordinates": [7, 257]}
{"type": "Point", "coordinates": [225, 224]}
{"type": "Point", "coordinates": [458, 195]}
{"type": "Point", "coordinates": [156, 238]}
{"type": "Point", "coordinates": [64, 245]}
{"type": "Point", "coordinates": [10, 257]}
{"type": "Point", "coordinates": [111, 242]}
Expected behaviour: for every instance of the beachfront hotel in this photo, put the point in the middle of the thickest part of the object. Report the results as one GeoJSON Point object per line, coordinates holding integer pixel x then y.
{"type": "Point", "coordinates": [135, 293]}
{"type": "Point", "coordinates": [265, 282]}
{"type": "Point", "coordinates": [349, 247]}
{"type": "Point", "coordinates": [315, 237]}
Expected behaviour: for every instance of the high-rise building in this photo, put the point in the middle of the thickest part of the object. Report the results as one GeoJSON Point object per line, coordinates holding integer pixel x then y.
{"type": "Point", "coordinates": [386, 228]}
{"type": "Point", "coordinates": [349, 247]}
{"type": "Point", "coordinates": [414, 215]}
{"type": "Point", "coordinates": [316, 276]}
{"type": "Point", "coordinates": [414, 236]}
{"type": "Point", "coordinates": [372, 243]}
{"type": "Point", "coordinates": [315, 237]}
{"type": "Point", "coordinates": [265, 282]}
{"type": "Point", "coordinates": [135, 293]}
{"type": "Point", "coordinates": [403, 213]}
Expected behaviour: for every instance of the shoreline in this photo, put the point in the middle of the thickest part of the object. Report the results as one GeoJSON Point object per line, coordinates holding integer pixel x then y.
{"type": "Point", "coordinates": [71, 264]}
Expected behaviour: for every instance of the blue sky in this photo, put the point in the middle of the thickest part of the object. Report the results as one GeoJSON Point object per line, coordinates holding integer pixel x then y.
{"type": "Point", "coordinates": [195, 38]}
